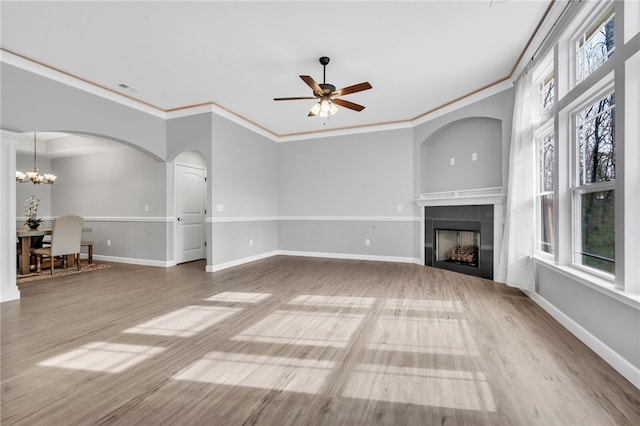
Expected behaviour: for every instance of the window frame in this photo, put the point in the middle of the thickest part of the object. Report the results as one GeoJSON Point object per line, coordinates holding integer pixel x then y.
{"type": "Point", "coordinates": [590, 21]}
{"type": "Point", "coordinates": [576, 187]}
{"type": "Point", "coordinates": [544, 121]}
{"type": "Point", "coordinates": [541, 132]}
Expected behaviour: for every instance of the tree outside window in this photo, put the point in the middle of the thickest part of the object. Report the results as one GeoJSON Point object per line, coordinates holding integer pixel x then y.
{"type": "Point", "coordinates": [594, 191]}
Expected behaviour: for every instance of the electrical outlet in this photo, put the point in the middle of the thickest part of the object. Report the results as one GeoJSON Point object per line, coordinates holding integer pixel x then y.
{"type": "Point", "coordinates": [367, 242]}
{"type": "Point", "coordinates": [250, 243]}
{"type": "Point", "coordinates": [108, 243]}
{"type": "Point", "coordinates": [452, 161]}
{"type": "Point", "coordinates": [474, 156]}
{"type": "Point", "coordinates": [146, 207]}
{"type": "Point", "coordinates": [399, 208]}
{"type": "Point", "coordinates": [220, 207]}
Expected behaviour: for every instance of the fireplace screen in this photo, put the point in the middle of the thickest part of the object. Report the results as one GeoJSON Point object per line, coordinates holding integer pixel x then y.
{"type": "Point", "coordinates": [460, 247]}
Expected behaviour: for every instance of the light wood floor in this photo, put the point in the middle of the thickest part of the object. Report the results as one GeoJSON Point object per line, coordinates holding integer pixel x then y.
{"type": "Point", "coordinates": [296, 341]}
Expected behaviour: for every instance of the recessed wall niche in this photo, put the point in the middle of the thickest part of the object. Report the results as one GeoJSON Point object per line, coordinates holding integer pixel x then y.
{"type": "Point", "coordinates": [460, 140]}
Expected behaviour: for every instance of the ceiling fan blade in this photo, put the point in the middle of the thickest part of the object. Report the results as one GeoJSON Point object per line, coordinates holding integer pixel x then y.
{"type": "Point", "coordinates": [311, 114]}
{"type": "Point", "coordinates": [352, 89]}
{"type": "Point", "coordinates": [348, 104]}
{"type": "Point", "coordinates": [294, 98]}
{"type": "Point", "coordinates": [312, 83]}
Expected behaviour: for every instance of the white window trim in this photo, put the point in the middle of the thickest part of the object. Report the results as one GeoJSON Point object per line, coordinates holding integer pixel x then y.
{"type": "Point", "coordinates": [597, 9]}
{"type": "Point", "coordinates": [541, 132]}
{"type": "Point", "coordinates": [576, 188]}
{"type": "Point", "coordinates": [569, 96]}
{"type": "Point", "coordinates": [543, 125]}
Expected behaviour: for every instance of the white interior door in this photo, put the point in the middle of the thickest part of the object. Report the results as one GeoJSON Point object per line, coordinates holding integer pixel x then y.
{"type": "Point", "coordinates": [190, 186]}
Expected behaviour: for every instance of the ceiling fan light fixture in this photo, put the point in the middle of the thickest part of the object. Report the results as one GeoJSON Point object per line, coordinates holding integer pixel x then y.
{"type": "Point", "coordinates": [315, 109]}
{"type": "Point", "coordinates": [327, 95]}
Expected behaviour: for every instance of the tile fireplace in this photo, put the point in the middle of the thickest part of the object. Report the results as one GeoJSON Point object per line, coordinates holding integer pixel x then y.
{"type": "Point", "coordinates": [462, 230]}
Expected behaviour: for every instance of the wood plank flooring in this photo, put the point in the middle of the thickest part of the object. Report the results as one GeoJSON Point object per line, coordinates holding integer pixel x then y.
{"type": "Point", "coordinates": [296, 341]}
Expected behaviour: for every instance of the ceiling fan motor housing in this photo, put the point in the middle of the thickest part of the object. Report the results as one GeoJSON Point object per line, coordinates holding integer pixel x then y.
{"type": "Point", "coordinates": [327, 88]}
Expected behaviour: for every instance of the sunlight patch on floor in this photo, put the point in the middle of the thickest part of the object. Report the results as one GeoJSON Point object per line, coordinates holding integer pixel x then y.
{"type": "Point", "coordinates": [424, 304]}
{"type": "Point", "coordinates": [463, 390]}
{"type": "Point", "coordinates": [259, 371]}
{"type": "Point", "coordinates": [103, 356]}
{"type": "Point", "coordinates": [303, 328]}
{"type": "Point", "coordinates": [237, 296]}
{"type": "Point", "coordinates": [333, 301]}
{"type": "Point", "coordinates": [421, 335]}
{"type": "Point", "coordinates": [184, 322]}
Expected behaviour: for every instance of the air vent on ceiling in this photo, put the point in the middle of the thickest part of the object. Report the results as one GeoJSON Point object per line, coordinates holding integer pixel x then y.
{"type": "Point", "coordinates": [128, 87]}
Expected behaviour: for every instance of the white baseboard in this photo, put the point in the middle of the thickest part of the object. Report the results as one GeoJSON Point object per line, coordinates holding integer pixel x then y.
{"type": "Point", "coordinates": [349, 256]}
{"type": "Point", "coordinates": [237, 262]}
{"type": "Point", "coordinates": [134, 261]}
{"type": "Point", "coordinates": [620, 364]}
{"type": "Point", "coordinates": [9, 293]}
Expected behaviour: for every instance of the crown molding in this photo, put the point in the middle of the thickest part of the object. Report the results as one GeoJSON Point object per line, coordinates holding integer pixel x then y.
{"type": "Point", "coordinates": [25, 63]}
{"type": "Point", "coordinates": [66, 78]}
{"type": "Point", "coordinates": [39, 68]}
{"type": "Point", "coordinates": [539, 36]}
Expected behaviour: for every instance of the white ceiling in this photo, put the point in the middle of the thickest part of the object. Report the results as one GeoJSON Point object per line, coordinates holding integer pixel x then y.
{"type": "Point", "coordinates": [417, 55]}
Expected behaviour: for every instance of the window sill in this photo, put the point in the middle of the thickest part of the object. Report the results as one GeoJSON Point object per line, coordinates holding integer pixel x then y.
{"type": "Point", "coordinates": [599, 284]}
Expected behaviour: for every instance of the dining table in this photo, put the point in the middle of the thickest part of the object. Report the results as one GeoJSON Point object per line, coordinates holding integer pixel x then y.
{"type": "Point", "coordinates": [24, 235]}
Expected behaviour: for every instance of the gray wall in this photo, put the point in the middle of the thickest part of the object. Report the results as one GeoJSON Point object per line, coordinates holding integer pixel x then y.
{"type": "Point", "coordinates": [193, 132]}
{"type": "Point", "coordinates": [244, 174]}
{"type": "Point", "coordinates": [336, 192]}
{"type": "Point", "coordinates": [614, 323]}
{"type": "Point", "coordinates": [244, 179]}
{"type": "Point", "coordinates": [498, 107]}
{"type": "Point", "coordinates": [34, 103]}
{"type": "Point", "coordinates": [116, 183]}
{"type": "Point", "coordinates": [460, 140]}
{"type": "Point", "coordinates": [110, 190]}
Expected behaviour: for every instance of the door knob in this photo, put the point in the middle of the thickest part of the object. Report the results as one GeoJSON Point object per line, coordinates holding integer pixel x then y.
{"type": "Point", "coordinates": [179, 219]}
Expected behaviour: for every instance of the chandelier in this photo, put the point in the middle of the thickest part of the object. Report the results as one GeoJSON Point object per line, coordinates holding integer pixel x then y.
{"type": "Point", "coordinates": [33, 175]}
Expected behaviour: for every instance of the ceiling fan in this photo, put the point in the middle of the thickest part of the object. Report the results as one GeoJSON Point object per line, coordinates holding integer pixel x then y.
{"type": "Point", "coordinates": [327, 95]}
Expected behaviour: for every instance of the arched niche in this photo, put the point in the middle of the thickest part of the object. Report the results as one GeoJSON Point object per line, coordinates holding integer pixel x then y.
{"type": "Point", "coordinates": [462, 155]}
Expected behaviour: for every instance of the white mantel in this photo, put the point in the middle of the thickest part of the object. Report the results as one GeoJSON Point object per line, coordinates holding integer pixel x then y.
{"type": "Point", "coordinates": [468, 197]}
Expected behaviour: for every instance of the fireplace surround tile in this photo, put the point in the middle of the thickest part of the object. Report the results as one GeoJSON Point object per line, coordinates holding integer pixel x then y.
{"type": "Point", "coordinates": [465, 217]}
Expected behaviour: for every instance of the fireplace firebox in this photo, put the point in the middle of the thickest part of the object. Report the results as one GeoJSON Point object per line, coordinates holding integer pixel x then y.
{"type": "Point", "coordinates": [460, 238]}
{"type": "Point", "coordinates": [457, 246]}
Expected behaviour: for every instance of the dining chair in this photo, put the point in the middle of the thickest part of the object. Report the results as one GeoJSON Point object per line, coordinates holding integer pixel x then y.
{"type": "Point", "coordinates": [65, 240]}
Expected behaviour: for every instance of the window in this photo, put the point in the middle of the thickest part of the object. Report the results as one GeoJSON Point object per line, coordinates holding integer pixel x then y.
{"type": "Point", "coordinates": [545, 94]}
{"type": "Point", "coordinates": [545, 159]}
{"type": "Point", "coordinates": [595, 45]}
{"type": "Point", "coordinates": [594, 185]}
